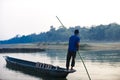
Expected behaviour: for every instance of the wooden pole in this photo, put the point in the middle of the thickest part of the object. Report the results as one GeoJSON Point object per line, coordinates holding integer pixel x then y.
{"type": "Point", "coordinates": [84, 66]}
{"type": "Point", "coordinates": [78, 54]}
{"type": "Point", "coordinates": [60, 21]}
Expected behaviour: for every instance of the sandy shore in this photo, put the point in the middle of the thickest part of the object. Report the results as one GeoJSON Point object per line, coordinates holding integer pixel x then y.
{"type": "Point", "coordinates": [103, 46]}
{"type": "Point", "coordinates": [83, 46]}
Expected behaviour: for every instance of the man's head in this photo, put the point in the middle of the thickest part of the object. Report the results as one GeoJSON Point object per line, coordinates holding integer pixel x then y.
{"type": "Point", "coordinates": [76, 32]}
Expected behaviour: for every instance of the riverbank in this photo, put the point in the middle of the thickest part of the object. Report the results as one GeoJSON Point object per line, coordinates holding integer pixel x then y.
{"type": "Point", "coordinates": [62, 46]}
{"type": "Point", "coordinates": [19, 50]}
{"type": "Point", "coordinates": [102, 46]}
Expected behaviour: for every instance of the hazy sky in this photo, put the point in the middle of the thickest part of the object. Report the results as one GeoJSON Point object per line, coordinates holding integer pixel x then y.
{"type": "Point", "coordinates": [34, 16]}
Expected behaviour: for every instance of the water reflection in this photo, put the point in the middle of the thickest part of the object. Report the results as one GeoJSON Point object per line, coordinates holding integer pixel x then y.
{"type": "Point", "coordinates": [32, 73]}
{"type": "Point", "coordinates": [102, 56]}
{"type": "Point", "coordinates": [102, 65]}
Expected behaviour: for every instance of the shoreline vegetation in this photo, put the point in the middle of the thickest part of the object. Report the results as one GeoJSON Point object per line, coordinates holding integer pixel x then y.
{"type": "Point", "coordinates": [38, 47]}
{"type": "Point", "coordinates": [100, 33]}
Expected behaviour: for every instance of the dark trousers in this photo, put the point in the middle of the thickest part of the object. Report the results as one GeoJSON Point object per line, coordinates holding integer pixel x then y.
{"type": "Point", "coordinates": [70, 55]}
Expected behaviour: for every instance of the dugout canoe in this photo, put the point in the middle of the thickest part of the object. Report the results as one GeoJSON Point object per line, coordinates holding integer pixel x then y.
{"type": "Point", "coordinates": [38, 68]}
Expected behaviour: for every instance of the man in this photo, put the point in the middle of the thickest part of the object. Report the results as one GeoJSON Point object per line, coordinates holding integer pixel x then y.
{"type": "Point", "coordinates": [72, 49]}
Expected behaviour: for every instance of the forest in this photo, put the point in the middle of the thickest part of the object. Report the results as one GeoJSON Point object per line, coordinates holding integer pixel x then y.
{"type": "Point", "coordinates": [110, 32]}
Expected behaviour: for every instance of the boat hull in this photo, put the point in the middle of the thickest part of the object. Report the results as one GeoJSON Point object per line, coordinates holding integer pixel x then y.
{"type": "Point", "coordinates": [32, 69]}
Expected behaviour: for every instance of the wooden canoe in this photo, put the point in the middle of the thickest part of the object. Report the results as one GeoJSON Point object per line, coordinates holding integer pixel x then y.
{"type": "Point", "coordinates": [38, 68]}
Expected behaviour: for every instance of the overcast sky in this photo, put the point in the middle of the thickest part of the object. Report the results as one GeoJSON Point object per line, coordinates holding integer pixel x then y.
{"type": "Point", "coordinates": [24, 17]}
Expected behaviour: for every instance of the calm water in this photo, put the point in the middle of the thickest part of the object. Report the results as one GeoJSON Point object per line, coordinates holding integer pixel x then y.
{"type": "Point", "coordinates": [101, 65]}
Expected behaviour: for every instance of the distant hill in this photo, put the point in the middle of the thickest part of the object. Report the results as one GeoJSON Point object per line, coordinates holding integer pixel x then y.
{"type": "Point", "coordinates": [110, 32]}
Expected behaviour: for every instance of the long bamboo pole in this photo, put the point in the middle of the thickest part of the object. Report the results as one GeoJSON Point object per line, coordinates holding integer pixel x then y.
{"type": "Point", "coordinates": [78, 54]}
{"type": "Point", "coordinates": [84, 66]}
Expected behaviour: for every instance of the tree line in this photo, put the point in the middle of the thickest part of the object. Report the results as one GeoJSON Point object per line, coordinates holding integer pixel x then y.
{"type": "Point", "coordinates": [110, 32]}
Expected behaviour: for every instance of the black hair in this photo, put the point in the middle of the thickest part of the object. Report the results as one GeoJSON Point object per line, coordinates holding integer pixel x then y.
{"type": "Point", "coordinates": [76, 32]}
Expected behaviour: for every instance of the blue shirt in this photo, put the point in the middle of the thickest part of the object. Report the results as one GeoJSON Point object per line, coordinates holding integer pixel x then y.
{"type": "Point", "coordinates": [73, 41]}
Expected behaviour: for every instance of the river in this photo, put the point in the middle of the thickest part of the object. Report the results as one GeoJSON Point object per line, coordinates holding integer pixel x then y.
{"type": "Point", "coordinates": [101, 65]}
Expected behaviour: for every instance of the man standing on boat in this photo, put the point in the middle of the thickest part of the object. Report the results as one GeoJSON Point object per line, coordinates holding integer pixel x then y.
{"type": "Point", "coordinates": [72, 49]}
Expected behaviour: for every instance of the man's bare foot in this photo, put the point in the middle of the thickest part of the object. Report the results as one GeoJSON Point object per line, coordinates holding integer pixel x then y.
{"type": "Point", "coordinates": [71, 68]}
